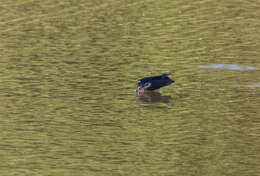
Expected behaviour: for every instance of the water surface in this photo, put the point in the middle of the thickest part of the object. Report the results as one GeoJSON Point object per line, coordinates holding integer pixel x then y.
{"type": "Point", "coordinates": [68, 71]}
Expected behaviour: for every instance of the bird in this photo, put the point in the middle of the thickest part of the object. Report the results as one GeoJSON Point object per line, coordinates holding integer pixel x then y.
{"type": "Point", "coordinates": [153, 82]}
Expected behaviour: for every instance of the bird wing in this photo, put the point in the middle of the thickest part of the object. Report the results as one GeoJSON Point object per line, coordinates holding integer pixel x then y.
{"type": "Point", "coordinates": [147, 85]}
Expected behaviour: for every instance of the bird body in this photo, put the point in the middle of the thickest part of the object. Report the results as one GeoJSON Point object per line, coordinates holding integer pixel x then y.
{"type": "Point", "coordinates": [154, 82]}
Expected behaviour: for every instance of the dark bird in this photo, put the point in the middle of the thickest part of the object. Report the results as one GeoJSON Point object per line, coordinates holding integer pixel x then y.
{"type": "Point", "coordinates": [154, 82]}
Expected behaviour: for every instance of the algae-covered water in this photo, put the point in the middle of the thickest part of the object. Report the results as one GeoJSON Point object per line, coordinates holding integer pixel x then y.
{"type": "Point", "coordinates": [68, 70]}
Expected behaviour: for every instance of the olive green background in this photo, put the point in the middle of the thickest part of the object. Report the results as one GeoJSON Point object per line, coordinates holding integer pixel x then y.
{"type": "Point", "coordinates": [68, 70]}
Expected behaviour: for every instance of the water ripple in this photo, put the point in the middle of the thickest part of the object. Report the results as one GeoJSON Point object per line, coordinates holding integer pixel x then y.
{"type": "Point", "coordinates": [228, 66]}
{"type": "Point", "coordinates": [254, 85]}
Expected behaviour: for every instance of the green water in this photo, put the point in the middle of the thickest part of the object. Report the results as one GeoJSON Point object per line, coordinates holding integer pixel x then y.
{"type": "Point", "coordinates": [68, 70]}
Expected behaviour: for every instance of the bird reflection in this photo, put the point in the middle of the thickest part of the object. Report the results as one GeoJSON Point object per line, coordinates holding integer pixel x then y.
{"type": "Point", "coordinates": [153, 97]}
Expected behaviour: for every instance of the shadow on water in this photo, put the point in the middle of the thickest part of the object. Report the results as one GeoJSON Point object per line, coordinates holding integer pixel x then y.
{"type": "Point", "coordinates": [153, 97]}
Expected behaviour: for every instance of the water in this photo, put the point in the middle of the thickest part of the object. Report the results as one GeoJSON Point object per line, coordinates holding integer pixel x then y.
{"type": "Point", "coordinates": [68, 74]}
{"type": "Point", "coordinates": [228, 66]}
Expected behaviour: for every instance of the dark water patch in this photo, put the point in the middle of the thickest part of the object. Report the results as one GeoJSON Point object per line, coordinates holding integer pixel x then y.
{"type": "Point", "coordinates": [227, 66]}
